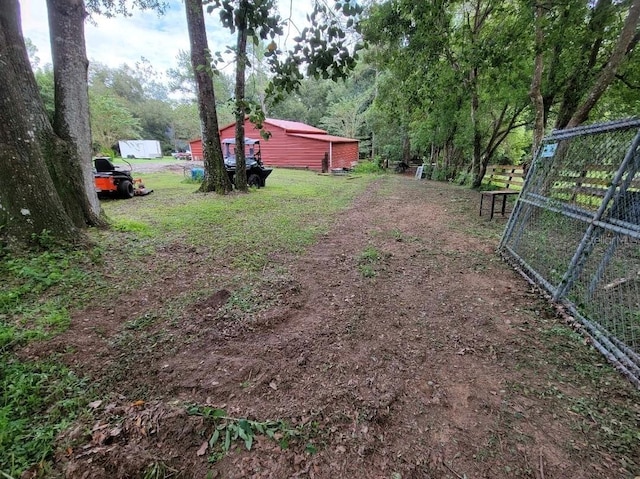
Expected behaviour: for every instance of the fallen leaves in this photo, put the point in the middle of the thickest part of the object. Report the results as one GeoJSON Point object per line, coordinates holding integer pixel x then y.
{"type": "Point", "coordinates": [203, 449]}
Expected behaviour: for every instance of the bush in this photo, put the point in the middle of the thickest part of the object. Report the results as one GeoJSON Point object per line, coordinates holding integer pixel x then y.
{"type": "Point", "coordinates": [464, 178]}
{"type": "Point", "coordinates": [443, 173]}
{"type": "Point", "coordinates": [369, 166]}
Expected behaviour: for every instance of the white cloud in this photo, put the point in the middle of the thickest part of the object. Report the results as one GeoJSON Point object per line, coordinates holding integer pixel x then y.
{"type": "Point", "coordinates": [114, 41]}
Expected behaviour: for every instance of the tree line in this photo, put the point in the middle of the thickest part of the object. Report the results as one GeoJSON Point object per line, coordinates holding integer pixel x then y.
{"type": "Point", "coordinates": [473, 82]}
{"type": "Point", "coordinates": [459, 84]}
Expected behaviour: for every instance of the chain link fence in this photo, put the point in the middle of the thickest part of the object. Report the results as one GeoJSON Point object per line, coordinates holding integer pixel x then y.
{"type": "Point", "coordinates": [575, 231]}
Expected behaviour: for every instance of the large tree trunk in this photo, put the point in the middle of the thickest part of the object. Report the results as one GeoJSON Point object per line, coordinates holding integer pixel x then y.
{"type": "Point", "coordinates": [608, 73]}
{"type": "Point", "coordinates": [241, 64]}
{"type": "Point", "coordinates": [29, 203]}
{"type": "Point", "coordinates": [72, 173]}
{"type": "Point", "coordinates": [216, 178]}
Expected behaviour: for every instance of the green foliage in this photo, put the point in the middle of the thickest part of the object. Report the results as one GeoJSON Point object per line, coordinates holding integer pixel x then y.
{"type": "Point", "coordinates": [229, 430]}
{"type": "Point", "coordinates": [308, 104]}
{"type": "Point", "coordinates": [367, 261]}
{"type": "Point", "coordinates": [44, 78]}
{"type": "Point", "coordinates": [368, 166]}
{"type": "Point", "coordinates": [37, 402]}
{"type": "Point", "coordinates": [186, 123]}
{"type": "Point", "coordinates": [483, 57]}
{"type": "Point", "coordinates": [125, 224]}
{"type": "Point", "coordinates": [111, 120]}
{"type": "Point", "coordinates": [325, 50]}
{"type": "Point", "coordinates": [106, 151]}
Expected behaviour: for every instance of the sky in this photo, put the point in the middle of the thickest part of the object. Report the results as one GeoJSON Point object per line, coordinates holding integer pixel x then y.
{"type": "Point", "coordinates": [115, 41]}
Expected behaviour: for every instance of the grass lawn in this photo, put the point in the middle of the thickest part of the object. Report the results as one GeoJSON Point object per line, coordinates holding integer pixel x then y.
{"type": "Point", "coordinates": [40, 293]}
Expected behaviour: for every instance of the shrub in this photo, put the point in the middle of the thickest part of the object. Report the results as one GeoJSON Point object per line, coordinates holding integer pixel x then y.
{"type": "Point", "coordinates": [368, 166]}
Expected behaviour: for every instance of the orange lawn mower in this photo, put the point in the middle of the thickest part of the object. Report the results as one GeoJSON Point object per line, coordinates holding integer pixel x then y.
{"type": "Point", "coordinates": [110, 181]}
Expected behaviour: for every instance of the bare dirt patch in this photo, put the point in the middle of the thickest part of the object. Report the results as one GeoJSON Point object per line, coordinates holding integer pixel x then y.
{"type": "Point", "coordinates": [400, 340]}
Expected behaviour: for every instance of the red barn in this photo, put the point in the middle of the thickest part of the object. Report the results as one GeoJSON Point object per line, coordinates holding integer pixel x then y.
{"type": "Point", "coordinates": [294, 145]}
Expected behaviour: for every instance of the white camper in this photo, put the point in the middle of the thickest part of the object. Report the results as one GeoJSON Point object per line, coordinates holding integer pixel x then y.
{"type": "Point", "coordinates": [140, 149]}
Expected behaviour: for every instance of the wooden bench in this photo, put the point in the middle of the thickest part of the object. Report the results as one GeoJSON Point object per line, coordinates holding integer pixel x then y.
{"type": "Point", "coordinates": [586, 187]}
{"type": "Point", "coordinates": [508, 178]}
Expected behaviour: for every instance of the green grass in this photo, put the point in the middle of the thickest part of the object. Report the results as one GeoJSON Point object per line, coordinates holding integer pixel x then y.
{"type": "Point", "coordinates": [37, 401]}
{"type": "Point", "coordinates": [367, 261]}
{"type": "Point", "coordinates": [40, 292]}
{"type": "Point", "coordinates": [287, 215]}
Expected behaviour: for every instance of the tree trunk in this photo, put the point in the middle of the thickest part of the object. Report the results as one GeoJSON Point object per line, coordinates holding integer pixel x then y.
{"type": "Point", "coordinates": [477, 139]}
{"type": "Point", "coordinates": [216, 178]}
{"type": "Point", "coordinates": [535, 93]}
{"type": "Point", "coordinates": [406, 148]}
{"type": "Point", "coordinates": [241, 64]}
{"type": "Point", "coordinates": [608, 73]}
{"type": "Point", "coordinates": [72, 173]}
{"type": "Point", "coordinates": [29, 203]}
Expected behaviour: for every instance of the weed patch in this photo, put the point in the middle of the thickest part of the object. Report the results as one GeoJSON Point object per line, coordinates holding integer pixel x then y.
{"type": "Point", "coordinates": [367, 261]}
{"type": "Point", "coordinates": [228, 431]}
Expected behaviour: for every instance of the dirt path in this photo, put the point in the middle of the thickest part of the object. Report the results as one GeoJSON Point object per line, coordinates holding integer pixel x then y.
{"type": "Point", "coordinates": [412, 347]}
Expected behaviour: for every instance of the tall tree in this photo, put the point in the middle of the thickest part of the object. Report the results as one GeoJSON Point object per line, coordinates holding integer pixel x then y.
{"type": "Point", "coordinates": [241, 23]}
{"type": "Point", "coordinates": [254, 20]}
{"type": "Point", "coordinates": [73, 175]}
{"type": "Point", "coordinates": [216, 178]}
{"type": "Point", "coordinates": [535, 93]}
{"type": "Point", "coordinates": [29, 203]}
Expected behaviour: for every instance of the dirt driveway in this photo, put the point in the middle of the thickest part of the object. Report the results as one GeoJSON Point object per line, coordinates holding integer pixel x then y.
{"type": "Point", "coordinates": [400, 344]}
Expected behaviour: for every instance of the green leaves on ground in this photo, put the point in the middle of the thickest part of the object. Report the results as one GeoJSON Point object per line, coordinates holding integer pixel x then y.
{"type": "Point", "coordinates": [229, 430]}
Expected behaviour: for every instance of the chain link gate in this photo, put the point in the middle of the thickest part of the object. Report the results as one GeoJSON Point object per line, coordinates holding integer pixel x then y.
{"type": "Point", "coordinates": [575, 231]}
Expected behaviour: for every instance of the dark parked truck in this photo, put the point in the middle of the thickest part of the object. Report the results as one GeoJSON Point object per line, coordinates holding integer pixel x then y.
{"type": "Point", "coordinates": [256, 172]}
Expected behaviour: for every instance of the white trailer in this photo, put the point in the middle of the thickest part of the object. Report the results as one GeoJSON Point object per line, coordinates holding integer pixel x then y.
{"type": "Point", "coordinates": [140, 149]}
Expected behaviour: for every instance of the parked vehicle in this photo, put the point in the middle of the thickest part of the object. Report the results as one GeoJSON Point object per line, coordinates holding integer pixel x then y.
{"type": "Point", "coordinates": [256, 172]}
{"type": "Point", "coordinates": [111, 181]}
{"type": "Point", "coordinates": [182, 155]}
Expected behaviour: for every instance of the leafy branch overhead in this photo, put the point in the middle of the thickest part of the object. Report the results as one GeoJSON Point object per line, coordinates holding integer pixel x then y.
{"type": "Point", "coordinates": [327, 49]}
{"type": "Point", "coordinates": [111, 8]}
{"type": "Point", "coordinates": [261, 22]}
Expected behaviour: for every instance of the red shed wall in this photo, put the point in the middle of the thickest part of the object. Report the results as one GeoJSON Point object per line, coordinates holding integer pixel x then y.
{"type": "Point", "coordinates": [196, 150]}
{"type": "Point", "coordinates": [284, 150]}
{"type": "Point", "coordinates": [344, 155]}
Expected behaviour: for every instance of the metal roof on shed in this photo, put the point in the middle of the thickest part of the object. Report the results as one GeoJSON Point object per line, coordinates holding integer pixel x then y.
{"type": "Point", "coordinates": [294, 126]}
{"type": "Point", "coordinates": [324, 137]}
